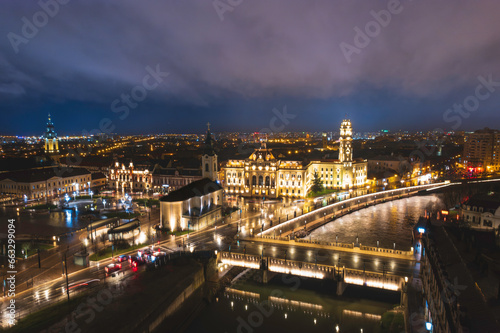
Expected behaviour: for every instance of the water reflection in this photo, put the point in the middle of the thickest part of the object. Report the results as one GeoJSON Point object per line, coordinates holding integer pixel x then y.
{"type": "Point", "coordinates": [252, 307]}
{"type": "Point", "coordinates": [388, 223]}
{"type": "Point", "coordinates": [45, 223]}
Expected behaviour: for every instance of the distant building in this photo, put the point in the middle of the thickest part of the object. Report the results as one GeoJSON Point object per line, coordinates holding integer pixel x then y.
{"type": "Point", "coordinates": [127, 178]}
{"type": "Point", "coordinates": [386, 162]}
{"type": "Point", "coordinates": [45, 182]}
{"type": "Point", "coordinates": [170, 179]}
{"type": "Point", "coordinates": [146, 177]}
{"type": "Point", "coordinates": [51, 141]}
{"type": "Point", "coordinates": [263, 175]}
{"type": "Point", "coordinates": [209, 158]}
{"type": "Point", "coordinates": [482, 211]}
{"type": "Point", "coordinates": [195, 206]}
{"type": "Point", "coordinates": [99, 180]}
{"type": "Point", "coordinates": [482, 150]}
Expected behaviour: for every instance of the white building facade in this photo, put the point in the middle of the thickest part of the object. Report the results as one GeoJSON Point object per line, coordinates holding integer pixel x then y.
{"type": "Point", "coordinates": [263, 175]}
{"type": "Point", "coordinates": [195, 206]}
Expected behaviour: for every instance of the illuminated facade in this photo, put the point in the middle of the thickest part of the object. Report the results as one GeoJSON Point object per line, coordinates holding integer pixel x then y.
{"type": "Point", "coordinates": [130, 179]}
{"type": "Point", "coordinates": [262, 175]}
{"type": "Point", "coordinates": [195, 206]}
{"type": "Point", "coordinates": [482, 150]}
{"type": "Point", "coordinates": [51, 142]}
{"type": "Point", "coordinates": [45, 182]}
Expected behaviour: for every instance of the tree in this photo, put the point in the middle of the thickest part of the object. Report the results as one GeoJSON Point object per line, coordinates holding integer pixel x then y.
{"type": "Point", "coordinates": [317, 184]}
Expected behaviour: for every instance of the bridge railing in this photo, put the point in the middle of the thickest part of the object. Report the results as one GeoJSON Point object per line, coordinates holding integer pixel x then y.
{"type": "Point", "coordinates": [272, 237]}
{"type": "Point", "coordinates": [336, 244]}
{"type": "Point", "coordinates": [383, 250]}
{"type": "Point", "coordinates": [344, 245]}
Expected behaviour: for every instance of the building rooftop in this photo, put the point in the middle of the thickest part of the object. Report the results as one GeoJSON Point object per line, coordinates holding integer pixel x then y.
{"type": "Point", "coordinates": [180, 171]}
{"type": "Point", "coordinates": [42, 174]}
{"type": "Point", "coordinates": [195, 189]}
{"type": "Point", "coordinates": [98, 175]}
{"type": "Point", "coordinates": [488, 201]}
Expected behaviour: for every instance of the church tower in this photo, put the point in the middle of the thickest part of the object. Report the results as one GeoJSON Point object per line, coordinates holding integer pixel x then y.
{"type": "Point", "coordinates": [51, 142]}
{"type": "Point", "coordinates": [209, 158]}
{"type": "Point", "coordinates": [345, 147]}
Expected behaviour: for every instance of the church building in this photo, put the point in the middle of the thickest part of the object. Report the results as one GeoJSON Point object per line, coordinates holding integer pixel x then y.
{"type": "Point", "coordinates": [51, 142]}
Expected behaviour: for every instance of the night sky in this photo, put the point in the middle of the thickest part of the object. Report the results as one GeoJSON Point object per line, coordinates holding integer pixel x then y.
{"type": "Point", "coordinates": [232, 62]}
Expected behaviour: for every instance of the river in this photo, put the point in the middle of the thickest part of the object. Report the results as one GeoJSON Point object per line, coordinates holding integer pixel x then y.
{"type": "Point", "coordinates": [390, 222]}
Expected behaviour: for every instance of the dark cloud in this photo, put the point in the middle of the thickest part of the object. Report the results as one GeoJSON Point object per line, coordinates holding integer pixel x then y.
{"type": "Point", "coordinates": [264, 53]}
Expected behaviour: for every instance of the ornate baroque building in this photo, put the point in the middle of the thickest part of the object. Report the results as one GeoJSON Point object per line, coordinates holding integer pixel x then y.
{"type": "Point", "coordinates": [262, 175]}
{"type": "Point", "coordinates": [51, 142]}
{"type": "Point", "coordinates": [130, 179]}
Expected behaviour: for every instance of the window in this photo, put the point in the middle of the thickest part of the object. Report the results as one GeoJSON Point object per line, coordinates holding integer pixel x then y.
{"type": "Point", "coordinates": [206, 167]}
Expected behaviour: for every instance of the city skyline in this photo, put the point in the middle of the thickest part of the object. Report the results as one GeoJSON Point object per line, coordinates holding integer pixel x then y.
{"type": "Point", "coordinates": [234, 65]}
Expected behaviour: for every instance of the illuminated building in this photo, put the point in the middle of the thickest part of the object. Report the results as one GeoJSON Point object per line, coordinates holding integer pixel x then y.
{"type": "Point", "coordinates": [482, 211]}
{"type": "Point", "coordinates": [45, 182]}
{"type": "Point", "coordinates": [51, 142]}
{"type": "Point", "coordinates": [195, 206]}
{"type": "Point", "coordinates": [148, 177]}
{"type": "Point", "coordinates": [263, 175]}
{"type": "Point", "coordinates": [171, 179]}
{"type": "Point", "coordinates": [124, 178]}
{"type": "Point", "coordinates": [482, 150]}
{"type": "Point", "coordinates": [209, 158]}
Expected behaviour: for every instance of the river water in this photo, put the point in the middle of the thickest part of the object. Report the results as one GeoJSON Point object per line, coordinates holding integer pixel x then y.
{"type": "Point", "coordinates": [290, 304]}
{"type": "Point", "coordinates": [389, 223]}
